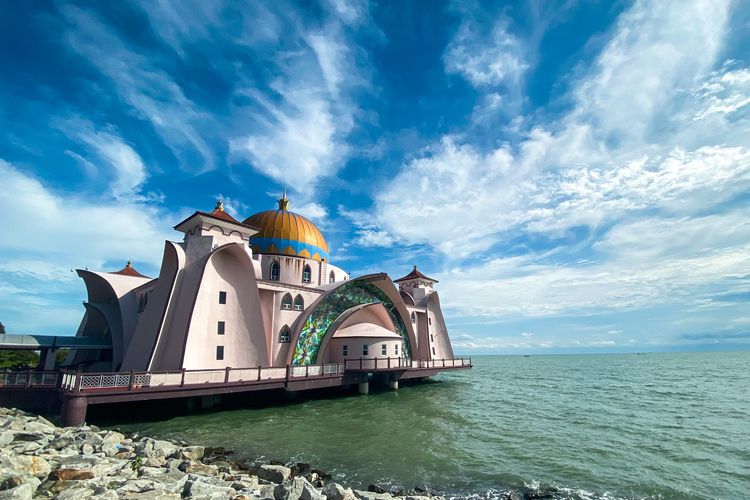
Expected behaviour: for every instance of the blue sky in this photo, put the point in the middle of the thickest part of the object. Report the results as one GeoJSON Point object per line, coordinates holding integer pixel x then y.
{"type": "Point", "coordinates": [576, 174]}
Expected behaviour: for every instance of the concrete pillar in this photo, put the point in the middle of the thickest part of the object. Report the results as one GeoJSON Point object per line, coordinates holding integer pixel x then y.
{"type": "Point", "coordinates": [393, 385]}
{"type": "Point", "coordinates": [48, 358]}
{"type": "Point", "coordinates": [74, 411]}
{"type": "Point", "coordinates": [363, 387]}
{"type": "Point", "coordinates": [210, 401]}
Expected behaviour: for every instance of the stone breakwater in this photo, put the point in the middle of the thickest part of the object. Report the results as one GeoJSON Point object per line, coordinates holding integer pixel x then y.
{"type": "Point", "coordinates": [41, 460]}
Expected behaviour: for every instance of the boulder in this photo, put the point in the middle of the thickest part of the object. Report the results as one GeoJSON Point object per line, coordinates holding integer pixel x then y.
{"type": "Point", "coordinates": [136, 486]}
{"type": "Point", "coordinates": [24, 491]}
{"type": "Point", "coordinates": [374, 488]}
{"type": "Point", "coordinates": [195, 487]}
{"type": "Point", "coordinates": [370, 495]}
{"type": "Point", "coordinates": [190, 467]}
{"type": "Point", "coordinates": [274, 473]}
{"type": "Point", "coordinates": [27, 465]}
{"type": "Point", "coordinates": [192, 452]}
{"type": "Point", "coordinates": [334, 491]}
{"type": "Point", "coordinates": [6, 437]}
{"type": "Point", "coordinates": [74, 474]}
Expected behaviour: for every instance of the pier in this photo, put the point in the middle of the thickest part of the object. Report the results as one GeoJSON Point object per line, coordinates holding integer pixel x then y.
{"type": "Point", "coordinates": [77, 390]}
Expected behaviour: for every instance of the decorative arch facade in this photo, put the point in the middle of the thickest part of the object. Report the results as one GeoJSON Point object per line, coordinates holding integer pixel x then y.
{"type": "Point", "coordinates": [331, 306]}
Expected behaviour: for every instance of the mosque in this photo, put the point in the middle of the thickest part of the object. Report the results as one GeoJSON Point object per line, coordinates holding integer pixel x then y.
{"type": "Point", "coordinates": [256, 293]}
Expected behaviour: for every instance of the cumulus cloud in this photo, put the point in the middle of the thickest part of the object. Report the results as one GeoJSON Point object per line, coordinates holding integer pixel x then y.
{"type": "Point", "coordinates": [491, 59]}
{"type": "Point", "coordinates": [650, 158]}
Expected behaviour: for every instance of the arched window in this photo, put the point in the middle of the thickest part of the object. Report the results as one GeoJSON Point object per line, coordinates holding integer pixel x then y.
{"type": "Point", "coordinates": [306, 274]}
{"type": "Point", "coordinates": [331, 277]}
{"type": "Point", "coordinates": [275, 270]}
{"type": "Point", "coordinates": [413, 317]}
{"type": "Point", "coordinates": [299, 303]}
{"type": "Point", "coordinates": [286, 302]}
{"type": "Point", "coordinates": [285, 335]}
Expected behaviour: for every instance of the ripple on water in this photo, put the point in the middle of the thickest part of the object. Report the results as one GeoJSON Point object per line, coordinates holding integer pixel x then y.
{"type": "Point", "coordinates": [662, 426]}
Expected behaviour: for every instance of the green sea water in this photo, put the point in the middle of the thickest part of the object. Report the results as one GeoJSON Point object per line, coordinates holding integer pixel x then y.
{"type": "Point", "coordinates": [590, 426]}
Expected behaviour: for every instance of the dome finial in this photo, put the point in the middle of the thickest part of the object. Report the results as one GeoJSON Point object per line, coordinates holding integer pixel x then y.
{"type": "Point", "coordinates": [219, 205]}
{"type": "Point", "coordinates": [129, 265]}
{"type": "Point", "coordinates": [284, 202]}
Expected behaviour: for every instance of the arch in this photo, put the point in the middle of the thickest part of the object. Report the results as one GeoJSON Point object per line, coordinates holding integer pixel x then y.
{"type": "Point", "coordinates": [285, 335]}
{"type": "Point", "coordinates": [275, 271]}
{"type": "Point", "coordinates": [286, 302]}
{"type": "Point", "coordinates": [317, 322]}
{"type": "Point", "coordinates": [299, 303]}
{"type": "Point", "coordinates": [306, 274]}
{"type": "Point", "coordinates": [331, 277]}
{"type": "Point", "coordinates": [407, 298]}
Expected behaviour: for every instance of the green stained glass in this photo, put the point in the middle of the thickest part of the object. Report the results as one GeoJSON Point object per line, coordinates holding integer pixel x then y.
{"type": "Point", "coordinates": [332, 306]}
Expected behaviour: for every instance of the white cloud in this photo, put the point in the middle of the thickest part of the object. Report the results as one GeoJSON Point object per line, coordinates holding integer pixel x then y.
{"type": "Point", "coordinates": [63, 231]}
{"type": "Point", "coordinates": [486, 60]}
{"type": "Point", "coordinates": [151, 93]}
{"type": "Point", "coordinates": [629, 144]}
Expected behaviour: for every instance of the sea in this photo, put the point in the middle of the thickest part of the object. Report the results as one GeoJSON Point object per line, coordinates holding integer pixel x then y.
{"type": "Point", "coordinates": [653, 425]}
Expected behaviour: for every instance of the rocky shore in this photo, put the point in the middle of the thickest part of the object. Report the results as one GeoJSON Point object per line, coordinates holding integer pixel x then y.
{"type": "Point", "coordinates": [41, 460]}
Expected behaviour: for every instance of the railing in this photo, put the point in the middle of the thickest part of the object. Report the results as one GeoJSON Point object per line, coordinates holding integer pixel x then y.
{"type": "Point", "coordinates": [28, 378]}
{"type": "Point", "coordinates": [362, 364]}
{"type": "Point", "coordinates": [129, 381]}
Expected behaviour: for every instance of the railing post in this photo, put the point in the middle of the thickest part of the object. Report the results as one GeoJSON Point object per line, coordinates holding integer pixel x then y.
{"type": "Point", "coordinates": [360, 363]}
{"type": "Point", "coordinates": [288, 371]}
{"type": "Point", "coordinates": [77, 384]}
{"type": "Point", "coordinates": [258, 372]}
{"type": "Point", "coordinates": [131, 382]}
{"type": "Point", "coordinates": [28, 379]}
{"type": "Point", "coordinates": [182, 378]}
{"type": "Point", "coordinates": [307, 370]}
{"type": "Point", "coordinates": [226, 374]}
{"type": "Point", "coordinates": [389, 362]}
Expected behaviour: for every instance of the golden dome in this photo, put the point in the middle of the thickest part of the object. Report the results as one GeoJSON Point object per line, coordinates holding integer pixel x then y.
{"type": "Point", "coordinates": [286, 233]}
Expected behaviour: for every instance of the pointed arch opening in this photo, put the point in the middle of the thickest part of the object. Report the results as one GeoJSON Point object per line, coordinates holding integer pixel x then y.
{"type": "Point", "coordinates": [306, 274]}
{"type": "Point", "coordinates": [286, 302]}
{"type": "Point", "coordinates": [299, 303]}
{"type": "Point", "coordinates": [285, 335]}
{"type": "Point", "coordinates": [332, 277]}
{"type": "Point", "coordinates": [413, 317]}
{"type": "Point", "coordinates": [275, 270]}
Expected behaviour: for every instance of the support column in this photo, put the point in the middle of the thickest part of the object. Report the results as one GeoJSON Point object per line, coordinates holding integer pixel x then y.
{"type": "Point", "coordinates": [49, 359]}
{"type": "Point", "coordinates": [393, 384]}
{"type": "Point", "coordinates": [74, 410]}
{"type": "Point", "coordinates": [363, 387]}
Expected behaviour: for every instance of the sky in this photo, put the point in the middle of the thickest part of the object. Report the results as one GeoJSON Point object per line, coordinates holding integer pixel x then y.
{"type": "Point", "coordinates": [575, 174]}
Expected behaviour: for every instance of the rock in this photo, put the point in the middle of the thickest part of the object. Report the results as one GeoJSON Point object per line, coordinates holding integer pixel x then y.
{"type": "Point", "coordinates": [61, 442]}
{"type": "Point", "coordinates": [300, 469]}
{"type": "Point", "coordinates": [23, 491]}
{"type": "Point", "coordinates": [74, 474]}
{"type": "Point", "coordinates": [75, 494]}
{"type": "Point", "coordinates": [87, 449]}
{"type": "Point", "coordinates": [200, 488]}
{"type": "Point", "coordinates": [418, 497]}
{"type": "Point", "coordinates": [190, 467]}
{"type": "Point", "coordinates": [334, 491]}
{"type": "Point", "coordinates": [374, 488]}
{"type": "Point", "coordinates": [192, 452]}
{"type": "Point", "coordinates": [6, 437]}
{"type": "Point", "coordinates": [371, 495]}
{"type": "Point", "coordinates": [31, 465]}
{"type": "Point", "coordinates": [289, 490]}
{"type": "Point", "coordinates": [30, 436]}
{"type": "Point", "coordinates": [39, 426]}
{"type": "Point", "coordinates": [136, 486]}
{"type": "Point", "coordinates": [274, 473]}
